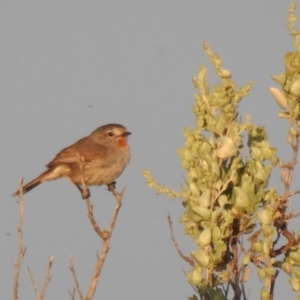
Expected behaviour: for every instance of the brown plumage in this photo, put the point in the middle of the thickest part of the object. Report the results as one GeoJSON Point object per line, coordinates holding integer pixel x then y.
{"type": "Point", "coordinates": [105, 153]}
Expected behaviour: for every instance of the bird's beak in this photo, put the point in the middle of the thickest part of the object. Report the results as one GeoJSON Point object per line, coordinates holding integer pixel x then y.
{"type": "Point", "coordinates": [126, 133]}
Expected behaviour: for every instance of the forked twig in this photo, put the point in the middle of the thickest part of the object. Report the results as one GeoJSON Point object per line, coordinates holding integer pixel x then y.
{"type": "Point", "coordinates": [41, 295]}
{"type": "Point", "coordinates": [184, 257]}
{"type": "Point", "coordinates": [105, 235]}
{"type": "Point", "coordinates": [77, 288]}
{"type": "Point", "coordinates": [105, 247]}
{"type": "Point", "coordinates": [96, 227]}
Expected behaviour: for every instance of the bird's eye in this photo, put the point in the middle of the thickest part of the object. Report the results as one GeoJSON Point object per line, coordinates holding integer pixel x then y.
{"type": "Point", "coordinates": [110, 133]}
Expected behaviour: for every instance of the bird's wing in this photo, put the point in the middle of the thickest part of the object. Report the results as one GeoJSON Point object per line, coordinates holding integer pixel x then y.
{"type": "Point", "coordinates": [85, 148]}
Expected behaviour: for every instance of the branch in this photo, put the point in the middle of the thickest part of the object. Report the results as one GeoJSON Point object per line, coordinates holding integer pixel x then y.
{"type": "Point", "coordinates": [77, 288]}
{"type": "Point", "coordinates": [272, 285]}
{"type": "Point", "coordinates": [36, 291]}
{"type": "Point", "coordinates": [41, 296]}
{"type": "Point", "coordinates": [235, 284]}
{"type": "Point", "coordinates": [72, 294]}
{"type": "Point", "coordinates": [21, 249]}
{"type": "Point", "coordinates": [184, 257]}
{"type": "Point", "coordinates": [105, 247]}
{"type": "Point", "coordinates": [293, 193]}
{"type": "Point", "coordinates": [47, 277]}
{"type": "Point", "coordinates": [105, 235]}
{"type": "Point", "coordinates": [96, 227]}
{"type": "Point", "coordinates": [291, 242]}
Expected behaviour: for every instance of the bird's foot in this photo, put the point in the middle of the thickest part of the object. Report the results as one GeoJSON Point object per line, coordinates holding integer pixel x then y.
{"type": "Point", "coordinates": [85, 193]}
{"type": "Point", "coordinates": [112, 186]}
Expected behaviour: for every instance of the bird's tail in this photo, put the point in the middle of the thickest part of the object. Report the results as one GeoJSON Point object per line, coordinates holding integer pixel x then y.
{"type": "Point", "coordinates": [33, 183]}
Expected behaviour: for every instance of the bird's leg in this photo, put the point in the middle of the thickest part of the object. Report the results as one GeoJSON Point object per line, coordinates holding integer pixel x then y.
{"type": "Point", "coordinates": [85, 193]}
{"type": "Point", "coordinates": [111, 187]}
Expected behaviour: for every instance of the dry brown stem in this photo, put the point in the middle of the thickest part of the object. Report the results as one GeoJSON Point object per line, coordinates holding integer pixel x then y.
{"type": "Point", "coordinates": [96, 227]}
{"type": "Point", "coordinates": [77, 288]}
{"type": "Point", "coordinates": [41, 295]}
{"type": "Point", "coordinates": [36, 291]}
{"type": "Point", "coordinates": [272, 285]}
{"type": "Point", "coordinates": [184, 257]}
{"type": "Point", "coordinates": [47, 277]}
{"type": "Point", "coordinates": [235, 282]}
{"type": "Point", "coordinates": [21, 249]}
{"type": "Point", "coordinates": [72, 294]}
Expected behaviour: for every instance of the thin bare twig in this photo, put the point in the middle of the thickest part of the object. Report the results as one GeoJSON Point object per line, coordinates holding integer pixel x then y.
{"type": "Point", "coordinates": [184, 257]}
{"type": "Point", "coordinates": [293, 193]}
{"type": "Point", "coordinates": [38, 295]}
{"type": "Point", "coordinates": [72, 294]}
{"type": "Point", "coordinates": [47, 277]}
{"type": "Point", "coordinates": [77, 288]}
{"type": "Point", "coordinates": [102, 234]}
{"type": "Point", "coordinates": [36, 291]}
{"type": "Point", "coordinates": [21, 249]}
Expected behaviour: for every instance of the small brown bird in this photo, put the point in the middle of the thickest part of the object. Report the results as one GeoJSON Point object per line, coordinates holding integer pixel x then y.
{"type": "Point", "coordinates": [100, 158]}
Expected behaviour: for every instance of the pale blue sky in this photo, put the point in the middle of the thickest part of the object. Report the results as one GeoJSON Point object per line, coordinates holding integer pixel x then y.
{"type": "Point", "coordinates": [68, 67]}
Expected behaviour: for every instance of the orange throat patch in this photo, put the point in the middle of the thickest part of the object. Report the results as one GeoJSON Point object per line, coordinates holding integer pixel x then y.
{"type": "Point", "coordinates": [122, 142]}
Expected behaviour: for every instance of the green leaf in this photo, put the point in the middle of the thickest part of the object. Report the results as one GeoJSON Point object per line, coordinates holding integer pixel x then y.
{"type": "Point", "coordinates": [204, 238]}
{"type": "Point", "coordinates": [261, 273]}
{"type": "Point", "coordinates": [194, 189]}
{"type": "Point", "coordinates": [286, 267]}
{"type": "Point", "coordinates": [294, 282]}
{"type": "Point", "coordinates": [201, 257]}
{"type": "Point", "coordinates": [265, 217]}
{"type": "Point", "coordinates": [258, 247]}
{"type": "Point", "coordinates": [202, 211]}
{"type": "Point", "coordinates": [241, 198]}
{"type": "Point", "coordinates": [222, 200]}
{"type": "Point", "coordinates": [216, 234]}
{"type": "Point", "coordinates": [246, 259]}
{"type": "Point", "coordinates": [279, 97]}
{"type": "Point", "coordinates": [205, 198]}
{"type": "Point", "coordinates": [226, 147]}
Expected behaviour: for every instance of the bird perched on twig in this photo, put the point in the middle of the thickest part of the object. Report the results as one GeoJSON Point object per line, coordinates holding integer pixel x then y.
{"type": "Point", "coordinates": [96, 159]}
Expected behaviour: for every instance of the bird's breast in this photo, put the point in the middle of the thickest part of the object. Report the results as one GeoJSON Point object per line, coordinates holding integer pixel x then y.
{"type": "Point", "coordinates": [122, 142]}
